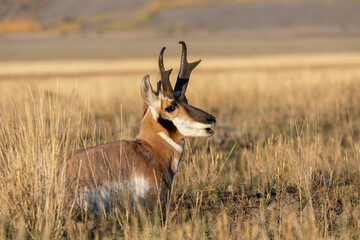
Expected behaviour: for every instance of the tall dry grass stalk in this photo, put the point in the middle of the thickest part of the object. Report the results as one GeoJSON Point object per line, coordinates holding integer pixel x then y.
{"type": "Point", "coordinates": [284, 162]}
{"type": "Point", "coordinates": [34, 138]}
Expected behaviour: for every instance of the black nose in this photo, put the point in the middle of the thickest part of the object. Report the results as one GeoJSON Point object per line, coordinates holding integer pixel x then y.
{"type": "Point", "coordinates": [211, 120]}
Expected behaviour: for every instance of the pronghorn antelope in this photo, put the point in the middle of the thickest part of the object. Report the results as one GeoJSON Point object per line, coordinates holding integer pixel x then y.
{"type": "Point", "coordinates": [144, 167]}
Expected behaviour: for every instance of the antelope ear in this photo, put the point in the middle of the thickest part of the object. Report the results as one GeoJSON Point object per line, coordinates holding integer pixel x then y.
{"type": "Point", "coordinates": [147, 92]}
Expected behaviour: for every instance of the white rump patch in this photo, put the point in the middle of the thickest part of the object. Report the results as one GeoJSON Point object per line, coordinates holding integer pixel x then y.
{"type": "Point", "coordinates": [176, 146]}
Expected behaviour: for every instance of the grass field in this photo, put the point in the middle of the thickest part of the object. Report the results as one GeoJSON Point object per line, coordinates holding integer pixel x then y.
{"type": "Point", "coordinates": [283, 163]}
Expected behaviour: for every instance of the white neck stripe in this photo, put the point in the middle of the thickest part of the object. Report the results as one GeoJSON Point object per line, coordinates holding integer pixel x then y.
{"type": "Point", "coordinates": [176, 146]}
{"type": "Point", "coordinates": [175, 163]}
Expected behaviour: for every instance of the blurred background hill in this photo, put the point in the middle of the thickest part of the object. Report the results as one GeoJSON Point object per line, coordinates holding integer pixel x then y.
{"type": "Point", "coordinates": [33, 29]}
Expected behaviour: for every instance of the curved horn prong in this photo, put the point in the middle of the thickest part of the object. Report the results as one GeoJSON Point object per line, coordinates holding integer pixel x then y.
{"type": "Point", "coordinates": [165, 77]}
{"type": "Point", "coordinates": [185, 67]}
{"type": "Point", "coordinates": [184, 72]}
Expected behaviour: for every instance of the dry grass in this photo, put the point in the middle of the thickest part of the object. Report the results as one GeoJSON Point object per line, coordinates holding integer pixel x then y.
{"type": "Point", "coordinates": [284, 162]}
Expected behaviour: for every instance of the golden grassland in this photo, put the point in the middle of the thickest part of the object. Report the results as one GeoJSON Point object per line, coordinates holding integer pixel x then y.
{"type": "Point", "coordinates": [283, 163]}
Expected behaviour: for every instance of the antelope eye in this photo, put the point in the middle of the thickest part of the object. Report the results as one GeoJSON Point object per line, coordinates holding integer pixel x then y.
{"type": "Point", "coordinates": [170, 109]}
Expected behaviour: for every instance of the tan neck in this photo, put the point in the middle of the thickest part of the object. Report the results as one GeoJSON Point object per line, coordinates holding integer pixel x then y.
{"type": "Point", "coordinates": [167, 146]}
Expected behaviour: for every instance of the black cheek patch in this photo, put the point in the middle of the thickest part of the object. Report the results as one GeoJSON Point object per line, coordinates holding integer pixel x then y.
{"type": "Point", "coordinates": [167, 124]}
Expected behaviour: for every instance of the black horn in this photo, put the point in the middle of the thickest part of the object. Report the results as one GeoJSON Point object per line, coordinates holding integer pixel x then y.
{"type": "Point", "coordinates": [184, 72]}
{"type": "Point", "coordinates": [165, 77]}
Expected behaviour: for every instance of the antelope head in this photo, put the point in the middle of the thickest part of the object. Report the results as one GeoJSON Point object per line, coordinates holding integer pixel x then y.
{"type": "Point", "coordinates": [170, 107]}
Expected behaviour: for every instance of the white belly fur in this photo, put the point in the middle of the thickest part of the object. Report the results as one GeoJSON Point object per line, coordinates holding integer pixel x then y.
{"type": "Point", "coordinates": [103, 198]}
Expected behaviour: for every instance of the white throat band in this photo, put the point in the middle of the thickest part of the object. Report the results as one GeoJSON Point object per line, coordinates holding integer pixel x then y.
{"type": "Point", "coordinates": [176, 146]}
